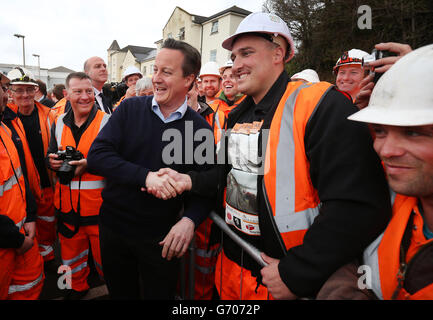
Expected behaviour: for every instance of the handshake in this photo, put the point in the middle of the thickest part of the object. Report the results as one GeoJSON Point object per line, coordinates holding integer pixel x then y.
{"type": "Point", "coordinates": [167, 183]}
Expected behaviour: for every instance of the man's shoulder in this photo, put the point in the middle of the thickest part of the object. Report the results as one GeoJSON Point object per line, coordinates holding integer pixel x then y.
{"type": "Point", "coordinates": [135, 104]}
{"type": "Point", "coordinates": [191, 115]}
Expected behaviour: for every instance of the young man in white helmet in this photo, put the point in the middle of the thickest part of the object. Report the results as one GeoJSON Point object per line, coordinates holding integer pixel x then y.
{"type": "Point", "coordinates": [210, 81]}
{"type": "Point", "coordinates": [318, 197]}
{"type": "Point", "coordinates": [398, 264]}
{"type": "Point", "coordinates": [349, 71]}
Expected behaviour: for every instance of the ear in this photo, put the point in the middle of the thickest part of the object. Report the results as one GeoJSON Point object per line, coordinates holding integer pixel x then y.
{"type": "Point", "coordinates": [189, 81]}
{"type": "Point", "coordinates": [278, 55]}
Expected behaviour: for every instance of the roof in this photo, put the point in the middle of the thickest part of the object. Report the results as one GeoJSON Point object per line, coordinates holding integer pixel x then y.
{"type": "Point", "coordinates": [233, 9]}
{"type": "Point", "coordinates": [114, 46]}
{"type": "Point", "coordinates": [61, 69]}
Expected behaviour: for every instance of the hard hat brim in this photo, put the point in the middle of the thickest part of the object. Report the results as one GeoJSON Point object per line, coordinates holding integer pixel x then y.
{"type": "Point", "coordinates": [23, 82]}
{"type": "Point", "coordinates": [393, 117]}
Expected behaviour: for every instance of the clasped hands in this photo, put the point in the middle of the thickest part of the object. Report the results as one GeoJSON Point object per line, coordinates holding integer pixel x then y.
{"type": "Point", "coordinates": [166, 183]}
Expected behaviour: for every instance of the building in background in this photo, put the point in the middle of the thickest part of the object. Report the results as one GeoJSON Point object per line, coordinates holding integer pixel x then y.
{"type": "Point", "coordinates": [51, 77]}
{"type": "Point", "coordinates": [204, 33]}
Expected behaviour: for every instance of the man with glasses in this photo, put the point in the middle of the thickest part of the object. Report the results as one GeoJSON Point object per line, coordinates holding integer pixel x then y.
{"type": "Point", "coordinates": [36, 120]}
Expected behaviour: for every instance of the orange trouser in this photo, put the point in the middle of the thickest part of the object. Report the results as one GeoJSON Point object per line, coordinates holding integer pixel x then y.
{"type": "Point", "coordinates": [75, 253]}
{"type": "Point", "coordinates": [46, 225]}
{"type": "Point", "coordinates": [236, 283]}
{"type": "Point", "coordinates": [205, 260]}
{"type": "Point", "coordinates": [21, 276]}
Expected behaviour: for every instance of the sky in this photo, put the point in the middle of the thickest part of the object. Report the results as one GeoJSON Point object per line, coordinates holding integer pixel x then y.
{"type": "Point", "coordinates": [66, 33]}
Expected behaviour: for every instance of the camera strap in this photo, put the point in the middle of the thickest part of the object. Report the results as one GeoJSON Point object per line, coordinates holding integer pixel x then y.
{"type": "Point", "coordinates": [72, 217]}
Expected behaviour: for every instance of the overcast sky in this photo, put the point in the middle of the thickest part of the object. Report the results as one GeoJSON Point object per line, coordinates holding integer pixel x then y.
{"type": "Point", "coordinates": [66, 33]}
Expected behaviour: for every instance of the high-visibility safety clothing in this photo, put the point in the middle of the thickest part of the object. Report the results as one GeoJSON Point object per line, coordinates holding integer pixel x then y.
{"type": "Point", "coordinates": [77, 205]}
{"type": "Point", "coordinates": [221, 103]}
{"type": "Point", "coordinates": [59, 107]}
{"type": "Point", "coordinates": [292, 201]}
{"type": "Point", "coordinates": [206, 255]}
{"type": "Point", "coordinates": [21, 276]}
{"type": "Point", "coordinates": [391, 274]}
{"type": "Point", "coordinates": [45, 223]}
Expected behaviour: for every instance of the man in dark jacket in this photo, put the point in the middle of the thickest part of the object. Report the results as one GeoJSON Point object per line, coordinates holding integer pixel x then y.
{"type": "Point", "coordinates": [131, 148]}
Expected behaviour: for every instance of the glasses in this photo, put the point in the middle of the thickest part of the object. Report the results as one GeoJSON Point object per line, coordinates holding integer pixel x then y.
{"type": "Point", "coordinates": [27, 90]}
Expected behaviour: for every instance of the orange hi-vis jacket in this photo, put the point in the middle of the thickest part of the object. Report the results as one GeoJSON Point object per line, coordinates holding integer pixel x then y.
{"type": "Point", "coordinates": [291, 199]}
{"type": "Point", "coordinates": [59, 107]}
{"type": "Point", "coordinates": [21, 276]}
{"type": "Point", "coordinates": [46, 118]}
{"type": "Point", "coordinates": [87, 187]}
{"type": "Point", "coordinates": [32, 172]}
{"type": "Point", "coordinates": [287, 185]}
{"type": "Point", "coordinates": [221, 105]}
{"type": "Point", "coordinates": [384, 255]}
{"type": "Point", "coordinates": [12, 187]}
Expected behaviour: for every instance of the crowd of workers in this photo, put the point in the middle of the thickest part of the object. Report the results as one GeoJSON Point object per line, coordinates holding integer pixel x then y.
{"type": "Point", "coordinates": [320, 178]}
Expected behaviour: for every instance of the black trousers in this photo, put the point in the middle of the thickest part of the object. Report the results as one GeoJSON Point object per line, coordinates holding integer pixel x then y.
{"type": "Point", "coordinates": [134, 268]}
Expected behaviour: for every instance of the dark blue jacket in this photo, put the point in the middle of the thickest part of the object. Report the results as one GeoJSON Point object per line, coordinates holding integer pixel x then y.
{"type": "Point", "coordinates": [126, 150]}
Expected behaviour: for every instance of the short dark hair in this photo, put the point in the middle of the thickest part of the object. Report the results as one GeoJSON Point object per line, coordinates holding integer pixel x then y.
{"type": "Point", "coordinates": [191, 57]}
{"type": "Point", "coordinates": [76, 75]}
{"type": "Point", "coordinates": [42, 87]}
{"type": "Point", "coordinates": [58, 91]}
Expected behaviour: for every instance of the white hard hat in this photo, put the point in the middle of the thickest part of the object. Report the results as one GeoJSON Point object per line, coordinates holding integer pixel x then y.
{"type": "Point", "coordinates": [353, 56]}
{"type": "Point", "coordinates": [262, 22]}
{"type": "Point", "coordinates": [131, 70]}
{"type": "Point", "coordinates": [403, 96]}
{"type": "Point", "coordinates": [308, 75]}
{"type": "Point", "coordinates": [228, 64]}
{"type": "Point", "coordinates": [19, 75]}
{"type": "Point", "coordinates": [210, 69]}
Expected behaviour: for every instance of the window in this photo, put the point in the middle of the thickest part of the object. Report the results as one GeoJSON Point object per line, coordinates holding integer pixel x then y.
{"type": "Point", "coordinates": [213, 54]}
{"type": "Point", "coordinates": [214, 27]}
{"type": "Point", "coordinates": [144, 70]}
{"type": "Point", "coordinates": [182, 34]}
{"type": "Point", "coordinates": [170, 36]}
{"type": "Point", "coordinates": [151, 69]}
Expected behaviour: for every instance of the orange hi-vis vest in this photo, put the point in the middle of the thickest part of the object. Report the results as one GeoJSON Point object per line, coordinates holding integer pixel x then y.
{"type": "Point", "coordinates": [46, 118]}
{"type": "Point", "coordinates": [59, 107]}
{"type": "Point", "coordinates": [290, 197]}
{"type": "Point", "coordinates": [384, 257]}
{"type": "Point", "coordinates": [219, 104]}
{"type": "Point", "coordinates": [288, 189]}
{"type": "Point", "coordinates": [12, 186]}
{"type": "Point", "coordinates": [32, 171]}
{"type": "Point", "coordinates": [88, 186]}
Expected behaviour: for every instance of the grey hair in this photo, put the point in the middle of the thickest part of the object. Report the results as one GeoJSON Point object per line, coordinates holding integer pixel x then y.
{"type": "Point", "coordinates": [142, 84]}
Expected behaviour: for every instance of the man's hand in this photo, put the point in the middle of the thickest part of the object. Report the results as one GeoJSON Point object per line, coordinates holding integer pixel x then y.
{"type": "Point", "coordinates": [81, 166]}
{"type": "Point", "coordinates": [176, 242]}
{"type": "Point", "coordinates": [363, 97]}
{"type": "Point", "coordinates": [272, 280]}
{"type": "Point", "coordinates": [54, 163]}
{"type": "Point", "coordinates": [26, 246]}
{"type": "Point", "coordinates": [384, 64]}
{"type": "Point", "coordinates": [161, 186]}
{"type": "Point", "coordinates": [30, 229]}
{"type": "Point", "coordinates": [183, 181]}
{"type": "Point", "coordinates": [130, 92]}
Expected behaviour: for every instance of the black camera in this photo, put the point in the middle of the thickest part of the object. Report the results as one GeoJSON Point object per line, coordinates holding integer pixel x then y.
{"type": "Point", "coordinates": [66, 170]}
{"type": "Point", "coordinates": [115, 90]}
{"type": "Point", "coordinates": [375, 55]}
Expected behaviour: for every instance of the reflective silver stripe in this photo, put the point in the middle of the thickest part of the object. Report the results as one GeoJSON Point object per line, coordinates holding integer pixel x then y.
{"type": "Point", "coordinates": [59, 129]}
{"type": "Point", "coordinates": [9, 184]}
{"type": "Point", "coordinates": [104, 121]}
{"type": "Point", "coordinates": [48, 122]}
{"type": "Point", "coordinates": [205, 270]}
{"type": "Point", "coordinates": [76, 258]}
{"type": "Point", "coordinates": [371, 258]}
{"type": "Point", "coordinates": [296, 221]}
{"type": "Point", "coordinates": [206, 254]}
{"type": "Point", "coordinates": [87, 185]}
{"type": "Point", "coordinates": [47, 218]}
{"type": "Point", "coordinates": [46, 250]}
{"type": "Point", "coordinates": [24, 287]}
{"type": "Point", "coordinates": [21, 224]}
{"type": "Point", "coordinates": [285, 216]}
{"type": "Point", "coordinates": [79, 267]}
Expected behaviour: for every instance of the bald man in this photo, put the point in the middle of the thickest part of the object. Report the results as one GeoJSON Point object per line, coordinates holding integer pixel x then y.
{"type": "Point", "coordinates": [96, 69]}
